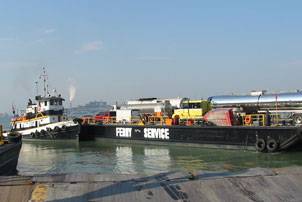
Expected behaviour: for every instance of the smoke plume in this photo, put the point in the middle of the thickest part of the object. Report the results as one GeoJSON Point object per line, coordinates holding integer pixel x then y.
{"type": "Point", "coordinates": [72, 89]}
{"type": "Point", "coordinates": [72, 92]}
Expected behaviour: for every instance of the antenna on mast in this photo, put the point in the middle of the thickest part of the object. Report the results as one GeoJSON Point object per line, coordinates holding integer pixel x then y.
{"type": "Point", "coordinates": [37, 89]}
{"type": "Point", "coordinates": [44, 76]}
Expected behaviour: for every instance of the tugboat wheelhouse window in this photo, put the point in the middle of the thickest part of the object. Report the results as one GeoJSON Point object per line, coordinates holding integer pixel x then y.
{"type": "Point", "coordinates": [45, 103]}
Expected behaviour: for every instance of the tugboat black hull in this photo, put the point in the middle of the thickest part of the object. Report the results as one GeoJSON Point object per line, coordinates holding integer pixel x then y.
{"type": "Point", "coordinates": [263, 139]}
{"type": "Point", "coordinates": [68, 133]}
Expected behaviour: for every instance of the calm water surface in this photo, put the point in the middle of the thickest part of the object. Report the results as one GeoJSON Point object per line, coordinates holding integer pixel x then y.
{"type": "Point", "coordinates": [108, 157]}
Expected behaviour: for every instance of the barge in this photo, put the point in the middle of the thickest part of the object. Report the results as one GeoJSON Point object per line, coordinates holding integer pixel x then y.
{"type": "Point", "coordinates": [262, 139]}
{"type": "Point", "coordinates": [259, 121]}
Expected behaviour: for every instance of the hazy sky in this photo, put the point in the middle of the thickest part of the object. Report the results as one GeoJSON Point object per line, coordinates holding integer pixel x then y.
{"type": "Point", "coordinates": [117, 50]}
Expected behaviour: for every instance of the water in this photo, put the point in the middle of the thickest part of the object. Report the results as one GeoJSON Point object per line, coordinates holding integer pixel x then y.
{"type": "Point", "coordinates": [108, 157]}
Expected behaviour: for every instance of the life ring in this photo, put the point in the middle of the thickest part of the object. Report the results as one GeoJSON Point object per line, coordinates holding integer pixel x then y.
{"type": "Point", "coordinates": [48, 129]}
{"type": "Point", "coordinates": [32, 134]}
{"type": "Point", "coordinates": [272, 145]}
{"type": "Point", "coordinates": [248, 119]}
{"type": "Point", "coordinates": [260, 145]}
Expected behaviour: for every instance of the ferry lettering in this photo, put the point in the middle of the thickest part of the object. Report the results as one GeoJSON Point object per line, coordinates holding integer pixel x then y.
{"type": "Point", "coordinates": [156, 133]}
{"type": "Point", "coordinates": [123, 132]}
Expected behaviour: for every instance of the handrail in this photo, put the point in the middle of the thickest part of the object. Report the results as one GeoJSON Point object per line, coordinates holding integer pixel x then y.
{"type": "Point", "coordinates": [254, 119]}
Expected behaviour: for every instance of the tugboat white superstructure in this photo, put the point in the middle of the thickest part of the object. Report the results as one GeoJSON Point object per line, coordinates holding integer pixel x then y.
{"type": "Point", "coordinates": [45, 119]}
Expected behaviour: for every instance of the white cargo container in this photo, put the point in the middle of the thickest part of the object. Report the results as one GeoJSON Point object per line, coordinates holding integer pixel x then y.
{"type": "Point", "coordinates": [149, 105]}
{"type": "Point", "coordinates": [126, 115]}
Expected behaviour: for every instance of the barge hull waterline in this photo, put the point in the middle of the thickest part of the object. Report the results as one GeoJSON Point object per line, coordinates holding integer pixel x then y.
{"type": "Point", "coordinates": [238, 137]}
{"type": "Point", "coordinates": [180, 144]}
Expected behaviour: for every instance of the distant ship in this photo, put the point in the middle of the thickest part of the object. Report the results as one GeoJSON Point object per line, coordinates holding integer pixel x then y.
{"type": "Point", "coordinates": [45, 119]}
{"type": "Point", "coordinates": [90, 108]}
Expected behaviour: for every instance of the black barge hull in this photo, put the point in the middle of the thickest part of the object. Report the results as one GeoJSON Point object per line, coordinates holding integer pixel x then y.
{"type": "Point", "coordinates": [263, 139]}
{"type": "Point", "coordinates": [9, 154]}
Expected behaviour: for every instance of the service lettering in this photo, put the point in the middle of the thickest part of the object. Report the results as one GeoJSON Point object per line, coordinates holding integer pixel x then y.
{"type": "Point", "coordinates": [156, 133]}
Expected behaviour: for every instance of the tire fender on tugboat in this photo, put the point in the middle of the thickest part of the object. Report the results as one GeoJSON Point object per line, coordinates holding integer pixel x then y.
{"type": "Point", "coordinates": [37, 134]}
{"type": "Point", "coordinates": [43, 132]}
{"type": "Point", "coordinates": [64, 127]}
{"type": "Point", "coordinates": [57, 129]}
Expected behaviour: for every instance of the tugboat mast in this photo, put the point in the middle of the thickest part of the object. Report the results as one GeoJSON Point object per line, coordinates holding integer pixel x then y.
{"type": "Point", "coordinates": [37, 88]}
{"type": "Point", "coordinates": [44, 76]}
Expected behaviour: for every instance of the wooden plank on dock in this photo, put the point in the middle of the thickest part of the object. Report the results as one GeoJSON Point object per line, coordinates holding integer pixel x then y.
{"type": "Point", "coordinates": [15, 188]}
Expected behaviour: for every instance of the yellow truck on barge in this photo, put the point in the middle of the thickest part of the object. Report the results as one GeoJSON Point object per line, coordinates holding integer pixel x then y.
{"type": "Point", "coordinates": [192, 110]}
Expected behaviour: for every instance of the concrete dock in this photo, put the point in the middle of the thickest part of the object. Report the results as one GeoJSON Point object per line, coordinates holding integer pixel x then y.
{"type": "Point", "coordinates": [256, 184]}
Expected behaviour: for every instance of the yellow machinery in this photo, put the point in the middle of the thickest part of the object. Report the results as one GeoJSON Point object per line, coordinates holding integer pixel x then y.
{"type": "Point", "coordinates": [192, 109]}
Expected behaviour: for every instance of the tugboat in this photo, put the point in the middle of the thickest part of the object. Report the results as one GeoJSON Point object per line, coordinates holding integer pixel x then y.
{"type": "Point", "coordinates": [45, 118]}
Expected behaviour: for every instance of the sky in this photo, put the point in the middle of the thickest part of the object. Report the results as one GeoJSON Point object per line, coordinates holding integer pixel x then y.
{"type": "Point", "coordinates": [121, 50]}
